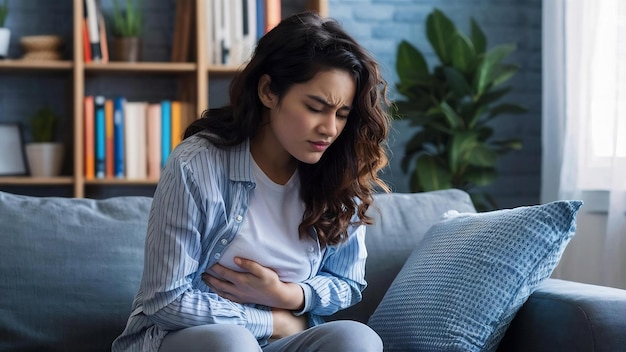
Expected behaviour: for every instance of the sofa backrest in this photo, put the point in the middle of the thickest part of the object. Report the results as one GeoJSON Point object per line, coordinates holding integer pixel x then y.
{"type": "Point", "coordinates": [70, 269]}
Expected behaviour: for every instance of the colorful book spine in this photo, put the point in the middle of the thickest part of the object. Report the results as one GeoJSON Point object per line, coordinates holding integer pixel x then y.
{"type": "Point", "coordinates": [100, 137]}
{"type": "Point", "coordinates": [166, 130]}
{"type": "Point", "coordinates": [109, 139]}
{"type": "Point", "coordinates": [153, 129]}
{"type": "Point", "coordinates": [118, 137]}
{"type": "Point", "coordinates": [177, 124]}
{"type": "Point", "coordinates": [89, 129]}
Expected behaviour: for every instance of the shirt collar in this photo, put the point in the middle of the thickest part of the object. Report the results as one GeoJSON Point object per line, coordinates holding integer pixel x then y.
{"type": "Point", "coordinates": [240, 163]}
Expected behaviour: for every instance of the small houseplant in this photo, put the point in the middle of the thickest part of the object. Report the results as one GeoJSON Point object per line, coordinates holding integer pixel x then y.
{"type": "Point", "coordinates": [5, 33]}
{"type": "Point", "coordinates": [127, 25]}
{"type": "Point", "coordinates": [45, 155]}
{"type": "Point", "coordinates": [452, 106]}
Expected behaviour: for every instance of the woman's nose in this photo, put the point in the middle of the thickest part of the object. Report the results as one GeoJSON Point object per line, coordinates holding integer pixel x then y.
{"type": "Point", "coordinates": [328, 125]}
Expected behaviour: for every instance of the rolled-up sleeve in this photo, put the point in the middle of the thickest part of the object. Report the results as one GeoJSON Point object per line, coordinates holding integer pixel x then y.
{"type": "Point", "coordinates": [341, 278]}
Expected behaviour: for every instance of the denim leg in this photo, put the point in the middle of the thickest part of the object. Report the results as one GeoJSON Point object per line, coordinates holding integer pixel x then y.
{"type": "Point", "coordinates": [341, 335]}
{"type": "Point", "coordinates": [211, 338]}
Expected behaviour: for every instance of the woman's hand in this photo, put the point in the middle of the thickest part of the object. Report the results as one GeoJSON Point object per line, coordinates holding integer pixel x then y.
{"type": "Point", "coordinates": [285, 323]}
{"type": "Point", "coordinates": [258, 285]}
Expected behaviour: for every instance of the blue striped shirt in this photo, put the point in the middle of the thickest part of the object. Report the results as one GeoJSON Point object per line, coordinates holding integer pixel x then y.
{"type": "Point", "coordinates": [199, 206]}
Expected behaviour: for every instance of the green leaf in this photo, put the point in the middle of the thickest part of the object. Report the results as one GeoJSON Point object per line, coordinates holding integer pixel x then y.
{"type": "Point", "coordinates": [507, 145]}
{"type": "Point", "coordinates": [492, 95]}
{"type": "Point", "coordinates": [457, 82]}
{"type": "Point", "coordinates": [432, 175]}
{"type": "Point", "coordinates": [439, 30]}
{"type": "Point", "coordinates": [481, 155]}
{"type": "Point", "coordinates": [506, 108]}
{"type": "Point", "coordinates": [410, 64]}
{"type": "Point", "coordinates": [462, 53]}
{"type": "Point", "coordinates": [488, 66]}
{"type": "Point", "coordinates": [454, 121]}
{"type": "Point", "coordinates": [481, 176]}
{"type": "Point", "coordinates": [462, 143]}
{"type": "Point", "coordinates": [505, 72]}
{"type": "Point", "coordinates": [478, 37]}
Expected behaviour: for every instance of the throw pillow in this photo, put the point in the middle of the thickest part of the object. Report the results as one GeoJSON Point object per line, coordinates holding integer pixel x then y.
{"type": "Point", "coordinates": [464, 283]}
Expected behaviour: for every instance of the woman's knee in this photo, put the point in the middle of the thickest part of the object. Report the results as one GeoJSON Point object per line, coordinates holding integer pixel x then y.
{"type": "Point", "coordinates": [217, 337]}
{"type": "Point", "coordinates": [347, 335]}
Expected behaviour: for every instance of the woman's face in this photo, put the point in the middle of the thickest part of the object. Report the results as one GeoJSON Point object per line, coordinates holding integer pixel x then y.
{"type": "Point", "coordinates": [310, 117]}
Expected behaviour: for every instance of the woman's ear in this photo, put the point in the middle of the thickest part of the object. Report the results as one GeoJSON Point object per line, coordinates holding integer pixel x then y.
{"type": "Point", "coordinates": [267, 97]}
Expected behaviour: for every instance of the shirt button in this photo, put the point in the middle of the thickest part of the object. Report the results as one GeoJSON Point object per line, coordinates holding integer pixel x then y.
{"type": "Point", "coordinates": [311, 249]}
{"type": "Point", "coordinates": [238, 218]}
{"type": "Point", "coordinates": [224, 241]}
{"type": "Point", "coordinates": [217, 255]}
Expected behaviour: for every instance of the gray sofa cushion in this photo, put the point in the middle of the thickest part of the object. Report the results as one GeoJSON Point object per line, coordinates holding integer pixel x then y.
{"type": "Point", "coordinates": [70, 268]}
{"type": "Point", "coordinates": [401, 220]}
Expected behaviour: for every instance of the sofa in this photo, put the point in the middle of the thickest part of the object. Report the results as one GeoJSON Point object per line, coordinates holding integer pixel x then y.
{"type": "Point", "coordinates": [71, 267]}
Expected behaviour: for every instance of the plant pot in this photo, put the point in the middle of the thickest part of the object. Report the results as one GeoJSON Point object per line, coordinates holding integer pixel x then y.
{"type": "Point", "coordinates": [5, 36]}
{"type": "Point", "coordinates": [126, 49]}
{"type": "Point", "coordinates": [44, 159]}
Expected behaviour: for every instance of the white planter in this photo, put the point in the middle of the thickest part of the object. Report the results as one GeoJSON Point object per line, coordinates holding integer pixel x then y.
{"type": "Point", "coordinates": [44, 159]}
{"type": "Point", "coordinates": [5, 36]}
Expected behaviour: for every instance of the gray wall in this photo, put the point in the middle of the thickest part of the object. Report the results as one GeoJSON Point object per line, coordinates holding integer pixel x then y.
{"type": "Point", "coordinates": [381, 24]}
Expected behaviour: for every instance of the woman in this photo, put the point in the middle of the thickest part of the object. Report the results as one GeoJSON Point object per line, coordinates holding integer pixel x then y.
{"type": "Point", "coordinates": [258, 222]}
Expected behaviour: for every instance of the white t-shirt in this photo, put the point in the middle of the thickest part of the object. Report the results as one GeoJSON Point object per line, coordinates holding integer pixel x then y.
{"type": "Point", "coordinates": [269, 234]}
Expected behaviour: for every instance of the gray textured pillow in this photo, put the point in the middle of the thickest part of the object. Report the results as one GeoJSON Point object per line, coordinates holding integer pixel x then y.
{"type": "Point", "coordinates": [461, 287]}
{"type": "Point", "coordinates": [70, 269]}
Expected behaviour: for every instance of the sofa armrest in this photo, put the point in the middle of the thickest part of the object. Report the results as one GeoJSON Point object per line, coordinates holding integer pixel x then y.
{"type": "Point", "coordinates": [569, 316]}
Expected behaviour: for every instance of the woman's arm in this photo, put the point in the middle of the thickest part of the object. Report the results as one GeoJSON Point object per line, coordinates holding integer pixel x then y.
{"type": "Point", "coordinates": [341, 278]}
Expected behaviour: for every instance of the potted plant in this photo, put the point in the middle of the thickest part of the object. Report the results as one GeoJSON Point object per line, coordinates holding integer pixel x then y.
{"type": "Point", "coordinates": [127, 25]}
{"type": "Point", "coordinates": [452, 107]}
{"type": "Point", "coordinates": [5, 33]}
{"type": "Point", "coordinates": [45, 156]}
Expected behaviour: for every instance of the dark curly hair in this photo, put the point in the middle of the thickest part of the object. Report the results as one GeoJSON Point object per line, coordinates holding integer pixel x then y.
{"type": "Point", "coordinates": [346, 176]}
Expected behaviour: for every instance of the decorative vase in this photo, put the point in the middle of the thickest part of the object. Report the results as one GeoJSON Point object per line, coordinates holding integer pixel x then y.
{"type": "Point", "coordinates": [44, 159]}
{"type": "Point", "coordinates": [126, 49]}
{"type": "Point", "coordinates": [5, 36]}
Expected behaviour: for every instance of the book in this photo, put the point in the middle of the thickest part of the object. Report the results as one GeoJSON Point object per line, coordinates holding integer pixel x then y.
{"type": "Point", "coordinates": [273, 14]}
{"type": "Point", "coordinates": [166, 130]}
{"type": "Point", "coordinates": [182, 31]}
{"type": "Point", "coordinates": [153, 126]}
{"type": "Point", "coordinates": [100, 133]}
{"type": "Point", "coordinates": [177, 124]}
{"type": "Point", "coordinates": [109, 155]}
{"type": "Point", "coordinates": [93, 30]}
{"type": "Point", "coordinates": [104, 43]}
{"type": "Point", "coordinates": [88, 133]}
{"type": "Point", "coordinates": [118, 137]}
{"type": "Point", "coordinates": [85, 33]}
{"type": "Point", "coordinates": [260, 19]}
{"type": "Point", "coordinates": [136, 163]}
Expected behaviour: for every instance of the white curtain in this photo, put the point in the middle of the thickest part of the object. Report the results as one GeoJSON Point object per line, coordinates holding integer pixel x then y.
{"type": "Point", "coordinates": [584, 131]}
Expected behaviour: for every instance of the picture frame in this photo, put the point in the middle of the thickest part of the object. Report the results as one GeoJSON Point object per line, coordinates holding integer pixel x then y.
{"type": "Point", "coordinates": [12, 153]}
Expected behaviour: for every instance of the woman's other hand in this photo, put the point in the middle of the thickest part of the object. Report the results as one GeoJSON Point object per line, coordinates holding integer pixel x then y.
{"type": "Point", "coordinates": [285, 323]}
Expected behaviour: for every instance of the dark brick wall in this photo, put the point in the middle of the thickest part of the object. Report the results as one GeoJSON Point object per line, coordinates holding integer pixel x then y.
{"type": "Point", "coordinates": [381, 24]}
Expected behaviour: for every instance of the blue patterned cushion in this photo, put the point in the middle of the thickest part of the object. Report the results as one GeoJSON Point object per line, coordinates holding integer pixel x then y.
{"type": "Point", "coordinates": [464, 283]}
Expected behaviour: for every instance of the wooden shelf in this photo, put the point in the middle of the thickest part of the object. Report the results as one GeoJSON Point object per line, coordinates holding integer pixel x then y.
{"type": "Point", "coordinates": [36, 181]}
{"type": "Point", "coordinates": [32, 65]}
{"type": "Point", "coordinates": [147, 67]}
{"type": "Point", "coordinates": [121, 182]}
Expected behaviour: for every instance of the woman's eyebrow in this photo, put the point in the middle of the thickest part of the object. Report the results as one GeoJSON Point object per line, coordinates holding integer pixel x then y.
{"type": "Point", "coordinates": [327, 103]}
